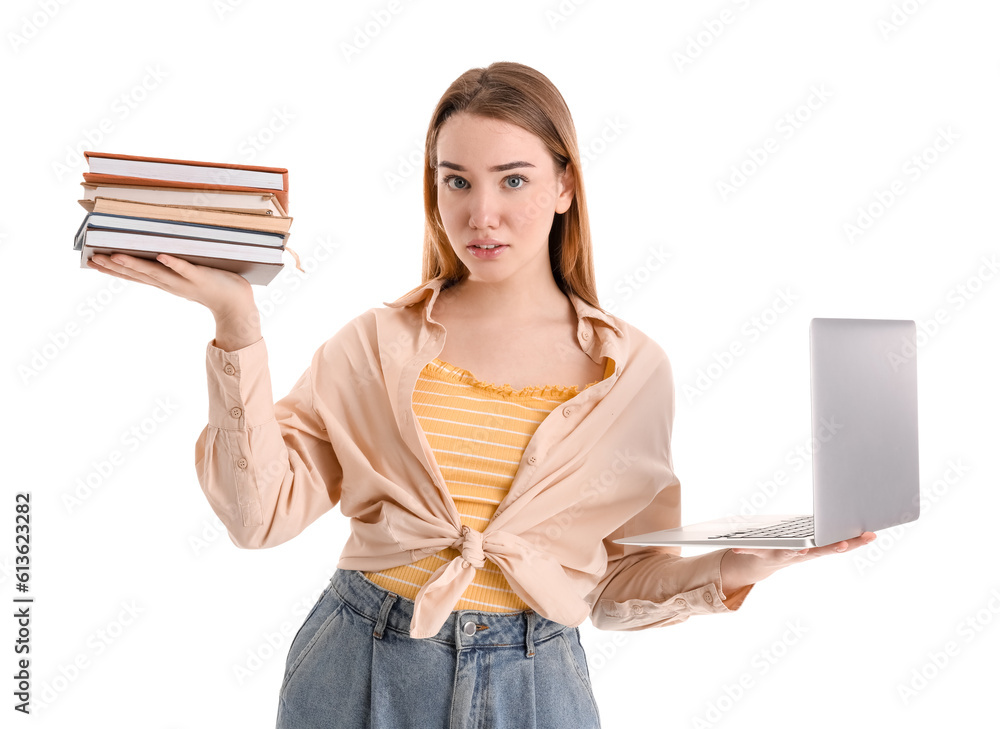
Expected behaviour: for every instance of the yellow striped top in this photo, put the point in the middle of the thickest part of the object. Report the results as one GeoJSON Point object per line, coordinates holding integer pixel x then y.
{"type": "Point", "coordinates": [478, 432]}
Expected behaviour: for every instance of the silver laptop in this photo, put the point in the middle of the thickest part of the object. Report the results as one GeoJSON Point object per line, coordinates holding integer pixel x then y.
{"type": "Point", "coordinates": [865, 474]}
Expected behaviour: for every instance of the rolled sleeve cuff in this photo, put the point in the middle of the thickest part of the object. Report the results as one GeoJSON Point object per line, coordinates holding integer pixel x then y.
{"type": "Point", "coordinates": [635, 614]}
{"type": "Point", "coordinates": [239, 387]}
{"type": "Point", "coordinates": [706, 599]}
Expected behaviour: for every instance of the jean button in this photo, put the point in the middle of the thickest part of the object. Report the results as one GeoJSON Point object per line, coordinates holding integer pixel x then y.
{"type": "Point", "coordinates": [469, 628]}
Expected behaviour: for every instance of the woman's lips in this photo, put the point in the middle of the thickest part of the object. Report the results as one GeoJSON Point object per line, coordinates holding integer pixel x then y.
{"type": "Point", "coordinates": [486, 253]}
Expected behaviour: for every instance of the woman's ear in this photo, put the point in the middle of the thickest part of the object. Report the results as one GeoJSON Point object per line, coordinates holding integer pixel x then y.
{"type": "Point", "coordinates": [567, 187]}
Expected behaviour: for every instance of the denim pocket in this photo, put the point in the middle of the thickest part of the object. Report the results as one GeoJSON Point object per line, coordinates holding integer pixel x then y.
{"type": "Point", "coordinates": [323, 613]}
{"type": "Point", "coordinates": [312, 610]}
{"type": "Point", "coordinates": [575, 655]}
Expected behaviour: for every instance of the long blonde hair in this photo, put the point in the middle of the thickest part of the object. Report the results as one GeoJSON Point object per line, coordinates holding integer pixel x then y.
{"type": "Point", "coordinates": [519, 95]}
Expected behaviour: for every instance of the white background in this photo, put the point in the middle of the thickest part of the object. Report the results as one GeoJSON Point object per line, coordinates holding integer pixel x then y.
{"type": "Point", "coordinates": [134, 579]}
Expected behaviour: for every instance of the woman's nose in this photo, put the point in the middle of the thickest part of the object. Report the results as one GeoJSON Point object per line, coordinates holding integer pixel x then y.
{"type": "Point", "coordinates": [484, 209]}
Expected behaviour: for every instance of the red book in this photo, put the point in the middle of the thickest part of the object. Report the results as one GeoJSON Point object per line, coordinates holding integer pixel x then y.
{"type": "Point", "coordinates": [134, 170]}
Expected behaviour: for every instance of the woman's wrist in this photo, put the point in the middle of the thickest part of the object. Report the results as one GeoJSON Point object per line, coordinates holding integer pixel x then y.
{"type": "Point", "coordinates": [740, 570]}
{"type": "Point", "coordinates": [237, 330]}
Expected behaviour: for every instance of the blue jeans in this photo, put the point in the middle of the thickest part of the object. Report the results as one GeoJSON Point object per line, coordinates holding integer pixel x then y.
{"type": "Point", "coordinates": [353, 664]}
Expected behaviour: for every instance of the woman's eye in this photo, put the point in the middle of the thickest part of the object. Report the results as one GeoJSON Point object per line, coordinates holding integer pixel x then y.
{"type": "Point", "coordinates": [515, 182]}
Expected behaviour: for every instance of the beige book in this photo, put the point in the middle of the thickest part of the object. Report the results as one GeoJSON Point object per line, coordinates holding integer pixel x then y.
{"type": "Point", "coordinates": [202, 216]}
{"type": "Point", "coordinates": [234, 200]}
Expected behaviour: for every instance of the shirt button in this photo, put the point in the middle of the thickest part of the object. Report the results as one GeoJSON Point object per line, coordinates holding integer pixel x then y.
{"type": "Point", "coordinates": [567, 412]}
{"type": "Point", "coordinates": [469, 628]}
{"type": "Point", "coordinates": [585, 335]}
{"type": "Point", "coordinates": [229, 369]}
{"type": "Point", "coordinates": [242, 463]}
{"type": "Point", "coordinates": [236, 412]}
{"type": "Point", "coordinates": [531, 460]}
{"type": "Point", "coordinates": [637, 610]}
{"type": "Point", "coordinates": [708, 597]}
{"type": "Point", "coordinates": [680, 602]}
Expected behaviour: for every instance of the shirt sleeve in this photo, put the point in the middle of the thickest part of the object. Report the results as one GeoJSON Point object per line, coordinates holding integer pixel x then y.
{"type": "Point", "coordinates": [267, 468]}
{"type": "Point", "coordinates": [649, 587]}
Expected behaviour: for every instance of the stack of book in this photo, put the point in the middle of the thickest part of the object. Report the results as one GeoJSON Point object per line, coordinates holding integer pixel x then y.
{"type": "Point", "coordinates": [227, 216]}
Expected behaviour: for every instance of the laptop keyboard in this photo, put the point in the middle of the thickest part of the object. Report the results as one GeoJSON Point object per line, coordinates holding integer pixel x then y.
{"type": "Point", "coordinates": [799, 527]}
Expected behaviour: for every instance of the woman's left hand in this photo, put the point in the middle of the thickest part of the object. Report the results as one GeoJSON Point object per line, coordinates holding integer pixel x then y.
{"type": "Point", "coordinates": [743, 566]}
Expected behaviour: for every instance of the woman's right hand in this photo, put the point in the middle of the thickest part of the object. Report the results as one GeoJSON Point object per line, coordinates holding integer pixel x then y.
{"type": "Point", "coordinates": [226, 294]}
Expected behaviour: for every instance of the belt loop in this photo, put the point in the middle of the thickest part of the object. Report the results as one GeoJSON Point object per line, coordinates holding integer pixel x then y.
{"type": "Point", "coordinates": [383, 614]}
{"type": "Point", "coordinates": [529, 646]}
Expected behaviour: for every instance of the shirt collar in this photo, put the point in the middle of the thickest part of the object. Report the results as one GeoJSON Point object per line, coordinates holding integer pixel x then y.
{"type": "Point", "coordinates": [432, 288]}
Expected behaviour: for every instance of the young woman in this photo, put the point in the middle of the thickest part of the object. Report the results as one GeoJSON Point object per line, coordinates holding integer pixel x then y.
{"type": "Point", "coordinates": [489, 434]}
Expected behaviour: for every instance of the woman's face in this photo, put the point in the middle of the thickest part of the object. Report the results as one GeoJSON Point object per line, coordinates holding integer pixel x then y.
{"type": "Point", "coordinates": [497, 184]}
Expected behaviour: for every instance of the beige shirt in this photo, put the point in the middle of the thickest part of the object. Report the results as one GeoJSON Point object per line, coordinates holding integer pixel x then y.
{"type": "Point", "coordinates": [597, 468]}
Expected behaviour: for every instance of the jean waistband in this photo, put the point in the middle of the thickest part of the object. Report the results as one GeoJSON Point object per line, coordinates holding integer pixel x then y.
{"type": "Point", "coordinates": [462, 629]}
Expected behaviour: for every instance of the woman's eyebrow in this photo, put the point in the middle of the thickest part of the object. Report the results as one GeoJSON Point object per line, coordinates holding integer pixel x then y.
{"type": "Point", "coordinates": [497, 168]}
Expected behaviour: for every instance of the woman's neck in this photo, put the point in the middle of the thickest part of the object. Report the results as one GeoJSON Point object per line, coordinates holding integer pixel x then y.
{"type": "Point", "coordinates": [514, 300]}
